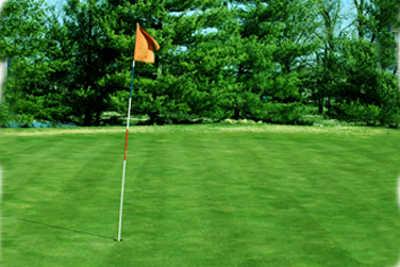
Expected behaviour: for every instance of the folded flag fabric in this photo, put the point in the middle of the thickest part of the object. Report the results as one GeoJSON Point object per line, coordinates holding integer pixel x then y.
{"type": "Point", "coordinates": [145, 46]}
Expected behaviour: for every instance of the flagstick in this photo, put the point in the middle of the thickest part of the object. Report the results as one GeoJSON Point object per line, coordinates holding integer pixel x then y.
{"type": "Point", "coordinates": [121, 204]}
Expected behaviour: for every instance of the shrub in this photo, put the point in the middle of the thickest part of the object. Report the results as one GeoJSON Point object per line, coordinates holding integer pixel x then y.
{"type": "Point", "coordinates": [291, 113]}
{"type": "Point", "coordinates": [390, 98]}
{"type": "Point", "coordinates": [356, 112]}
{"type": "Point", "coordinates": [20, 121]}
{"type": "Point", "coordinates": [4, 114]}
{"type": "Point", "coordinates": [111, 118]}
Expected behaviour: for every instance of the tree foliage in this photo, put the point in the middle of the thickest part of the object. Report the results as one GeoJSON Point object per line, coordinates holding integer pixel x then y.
{"type": "Point", "coordinates": [277, 61]}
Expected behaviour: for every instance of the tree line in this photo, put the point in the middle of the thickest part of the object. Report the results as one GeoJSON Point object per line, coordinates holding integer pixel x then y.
{"type": "Point", "coordinates": [277, 61]}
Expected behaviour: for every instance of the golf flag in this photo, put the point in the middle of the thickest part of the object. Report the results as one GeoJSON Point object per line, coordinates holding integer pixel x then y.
{"type": "Point", "coordinates": [144, 46]}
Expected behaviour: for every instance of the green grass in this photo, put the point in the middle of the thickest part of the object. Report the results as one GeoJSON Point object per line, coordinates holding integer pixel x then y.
{"type": "Point", "coordinates": [202, 196]}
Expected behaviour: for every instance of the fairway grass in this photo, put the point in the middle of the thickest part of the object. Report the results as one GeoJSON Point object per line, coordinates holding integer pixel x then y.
{"type": "Point", "coordinates": [207, 195]}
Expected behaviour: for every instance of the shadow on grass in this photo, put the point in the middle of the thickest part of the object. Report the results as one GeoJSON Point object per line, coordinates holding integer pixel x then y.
{"type": "Point", "coordinates": [63, 228]}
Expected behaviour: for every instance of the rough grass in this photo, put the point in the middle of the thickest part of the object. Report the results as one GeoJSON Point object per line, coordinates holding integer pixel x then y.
{"type": "Point", "coordinates": [202, 196]}
{"type": "Point", "coordinates": [204, 128]}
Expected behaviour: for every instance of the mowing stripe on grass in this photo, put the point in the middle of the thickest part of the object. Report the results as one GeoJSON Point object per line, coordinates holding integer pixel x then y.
{"type": "Point", "coordinates": [215, 197]}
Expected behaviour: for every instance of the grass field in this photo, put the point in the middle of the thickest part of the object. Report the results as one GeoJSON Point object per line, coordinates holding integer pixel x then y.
{"type": "Point", "coordinates": [201, 196]}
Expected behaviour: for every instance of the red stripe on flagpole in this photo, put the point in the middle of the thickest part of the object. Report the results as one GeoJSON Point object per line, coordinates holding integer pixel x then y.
{"type": "Point", "coordinates": [126, 144]}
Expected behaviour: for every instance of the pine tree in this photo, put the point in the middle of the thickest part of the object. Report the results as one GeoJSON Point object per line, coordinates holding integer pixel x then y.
{"type": "Point", "coordinates": [24, 29]}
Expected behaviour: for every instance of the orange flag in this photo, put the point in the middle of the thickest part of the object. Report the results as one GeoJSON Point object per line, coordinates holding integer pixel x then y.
{"type": "Point", "coordinates": [144, 46]}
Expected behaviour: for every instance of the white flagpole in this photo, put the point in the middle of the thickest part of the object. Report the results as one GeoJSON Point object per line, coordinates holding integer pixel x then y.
{"type": "Point", "coordinates": [1, 4]}
{"type": "Point", "coordinates": [398, 55]}
{"type": "Point", "coordinates": [121, 204]}
{"type": "Point", "coordinates": [3, 74]}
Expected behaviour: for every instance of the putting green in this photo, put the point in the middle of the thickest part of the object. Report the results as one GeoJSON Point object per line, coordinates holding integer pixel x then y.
{"type": "Point", "coordinates": [201, 196]}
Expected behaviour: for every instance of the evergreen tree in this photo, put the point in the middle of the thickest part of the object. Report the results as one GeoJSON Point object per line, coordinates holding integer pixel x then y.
{"type": "Point", "coordinates": [24, 29]}
{"type": "Point", "coordinates": [272, 60]}
{"type": "Point", "coordinates": [279, 43]}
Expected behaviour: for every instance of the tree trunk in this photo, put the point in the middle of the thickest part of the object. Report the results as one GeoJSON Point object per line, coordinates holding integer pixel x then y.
{"type": "Point", "coordinates": [88, 118]}
{"type": "Point", "coordinates": [320, 105]}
